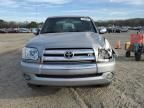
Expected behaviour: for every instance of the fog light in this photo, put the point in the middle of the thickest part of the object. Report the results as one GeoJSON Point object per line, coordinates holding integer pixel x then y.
{"type": "Point", "coordinates": [27, 77]}
{"type": "Point", "coordinates": [109, 75]}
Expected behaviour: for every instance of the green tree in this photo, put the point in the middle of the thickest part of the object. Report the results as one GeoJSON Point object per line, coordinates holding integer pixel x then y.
{"type": "Point", "coordinates": [32, 24]}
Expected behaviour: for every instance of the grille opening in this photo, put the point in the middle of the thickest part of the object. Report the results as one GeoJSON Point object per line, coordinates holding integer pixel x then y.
{"type": "Point", "coordinates": [65, 48]}
{"type": "Point", "coordinates": [67, 62]}
{"type": "Point", "coordinates": [69, 76]}
{"type": "Point", "coordinates": [86, 54]}
{"type": "Point", "coordinates": [53, 55]}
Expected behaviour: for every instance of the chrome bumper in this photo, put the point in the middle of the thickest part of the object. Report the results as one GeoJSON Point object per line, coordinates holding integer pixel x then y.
{"type": "Point", "coordinates": [32, 69]}
{"type": "Point", "coordinates": [70, 81]}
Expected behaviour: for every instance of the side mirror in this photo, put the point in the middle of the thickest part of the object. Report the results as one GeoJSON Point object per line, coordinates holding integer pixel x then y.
{"type": "Point", "coordinates": [36, 32]}
{"type": "Point", "coordinates": [102, 30]}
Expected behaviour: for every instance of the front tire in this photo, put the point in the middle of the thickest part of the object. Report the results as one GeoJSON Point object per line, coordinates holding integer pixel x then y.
{"type": "Point", "coordinates": [137, 56]}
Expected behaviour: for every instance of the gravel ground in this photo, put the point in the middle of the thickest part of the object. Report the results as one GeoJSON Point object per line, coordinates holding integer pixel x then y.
{"type": "Point", "coordinates": [126, 90]}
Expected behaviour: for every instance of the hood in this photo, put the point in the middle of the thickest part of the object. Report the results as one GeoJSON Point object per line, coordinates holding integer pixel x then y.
{"type": "Point", "coordinates": [67, 40]}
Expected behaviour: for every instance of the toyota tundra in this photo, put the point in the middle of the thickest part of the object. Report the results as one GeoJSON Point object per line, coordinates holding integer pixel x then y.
{"type": "Point", "coordinates": [68, 51]}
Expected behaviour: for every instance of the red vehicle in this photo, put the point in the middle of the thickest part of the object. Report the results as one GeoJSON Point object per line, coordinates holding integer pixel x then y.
{"type": "Point", "coordinates": [136, 45]}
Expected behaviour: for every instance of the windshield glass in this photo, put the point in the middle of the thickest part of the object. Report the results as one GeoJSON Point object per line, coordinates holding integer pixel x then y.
{"type": "Point", "coordinates": [57, 25]}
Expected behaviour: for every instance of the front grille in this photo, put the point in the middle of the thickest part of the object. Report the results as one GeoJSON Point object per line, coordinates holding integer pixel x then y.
{"type": "Point", "coordinates": [68, 56]}
{"type": "Point", "coordinates": [69, 76]}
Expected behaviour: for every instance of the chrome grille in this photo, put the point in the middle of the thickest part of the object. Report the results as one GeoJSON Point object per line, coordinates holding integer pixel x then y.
{"type": "Point", "coordinates": [58, 56]}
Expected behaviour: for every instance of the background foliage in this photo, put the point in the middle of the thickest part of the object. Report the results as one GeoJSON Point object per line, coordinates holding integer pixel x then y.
{"type": "Point", "coordinates": [129, 22]}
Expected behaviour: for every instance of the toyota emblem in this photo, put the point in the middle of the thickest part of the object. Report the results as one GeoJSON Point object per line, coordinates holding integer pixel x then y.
{"type": "Point", "coordinates": [68, 54]}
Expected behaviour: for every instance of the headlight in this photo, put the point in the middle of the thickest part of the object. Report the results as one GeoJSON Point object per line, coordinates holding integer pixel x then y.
{"type": "Point", "coordinates": [30, 54]}
{"type": "Point", "coordinates": [104, 55]}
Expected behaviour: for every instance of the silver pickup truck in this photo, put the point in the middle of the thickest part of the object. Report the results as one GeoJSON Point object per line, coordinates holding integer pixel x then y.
{"type": "Point", "coordinates": [68, 51]}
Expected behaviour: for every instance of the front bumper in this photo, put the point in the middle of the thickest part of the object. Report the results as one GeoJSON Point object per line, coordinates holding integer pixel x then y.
{"type": "Point", "coordinates": [31, 70]}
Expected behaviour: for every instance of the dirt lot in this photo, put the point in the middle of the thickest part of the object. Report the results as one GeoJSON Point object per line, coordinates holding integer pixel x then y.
{"type": "Point", "coordinates": [126, 91]}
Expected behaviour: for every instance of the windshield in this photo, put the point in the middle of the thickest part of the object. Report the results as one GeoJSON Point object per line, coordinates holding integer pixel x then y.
{"type": "Point", "coordinates": [57, 25]}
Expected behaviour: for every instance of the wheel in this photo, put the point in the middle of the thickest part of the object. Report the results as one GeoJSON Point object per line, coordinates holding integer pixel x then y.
{"type": "Point", "coordinates": [128, 54]}
{"type": "Point", "coordinates": [33, 86]}
{"type": "Point", "coordinates": [137, 56]}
